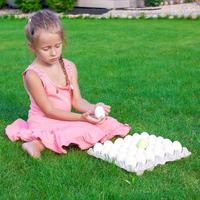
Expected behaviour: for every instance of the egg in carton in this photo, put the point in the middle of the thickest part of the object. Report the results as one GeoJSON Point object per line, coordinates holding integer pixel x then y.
{"type": "Point", "coordinates": [139, 152]}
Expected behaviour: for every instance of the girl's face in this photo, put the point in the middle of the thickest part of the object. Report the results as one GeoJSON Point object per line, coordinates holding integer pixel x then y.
{"type": "Point", "coordinates": [48, 47]}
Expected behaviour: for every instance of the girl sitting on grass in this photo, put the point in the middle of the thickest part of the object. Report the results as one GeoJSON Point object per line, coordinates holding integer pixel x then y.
{"type": "Point", "coordinates": [52, 85]}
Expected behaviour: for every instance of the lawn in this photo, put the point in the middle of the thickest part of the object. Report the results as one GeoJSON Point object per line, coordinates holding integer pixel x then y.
{"type": "Point", "coordinates": [147, 70]}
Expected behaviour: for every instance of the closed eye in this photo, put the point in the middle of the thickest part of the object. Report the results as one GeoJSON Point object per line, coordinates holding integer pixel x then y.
{"type": "Point", "coordinates": [45, 49]}
{"type": "Point", "coordinates": [58, 45]}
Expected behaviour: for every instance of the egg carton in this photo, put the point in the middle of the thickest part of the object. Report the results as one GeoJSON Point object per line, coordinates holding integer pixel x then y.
{"type": "Point", "coordinates": [139, 152]}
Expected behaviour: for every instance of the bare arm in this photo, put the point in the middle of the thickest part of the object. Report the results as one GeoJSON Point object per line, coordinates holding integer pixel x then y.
{"type": "Point", "coordinates": [79, 103]}
{"type": "Point", "coordinates": [36, 89]}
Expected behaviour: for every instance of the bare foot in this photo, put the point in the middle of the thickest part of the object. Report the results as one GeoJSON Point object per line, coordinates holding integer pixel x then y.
{"type": "Point", "coordinates": [32, 149]}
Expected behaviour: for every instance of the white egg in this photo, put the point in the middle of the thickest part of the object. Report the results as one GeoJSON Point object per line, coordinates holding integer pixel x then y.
{"type": "Point", "coordinates": [152, 136]}
{"type": "Point", "coordinates": [99, 112]}
{"type": "Point", "coordinates": [144, 135]}
{"type": "Point", "coordinates": [167, 143]}
{"type": "Point", "coordinates": [151, 147]}
{"type": "Point", "coordinates": [98, 147]}
{"type": "Point", "coordinates": [132, 149]}
{"type": "Point", "coordinates": [152, 139]}
{"type": "Point", "coordinates": [128, 139]}
{"type": "Point", "coordinates": [168, 140]}
{"type": "Point", "coordinates": [135, 138]}
{"type": "Point", "coordinates": [124, 148]}
{"type": "Point", "coordinates": [160, 140]}
{"type": "Point", "coordinates": [159, 145]}
{"type": "Point", "coordinates": [136, 135]}
{"type": "Point", "coordinates": [142, 144]}
{"type": "Point", "coordinates": [160, 153]}
{"type": "Point", "coordinates": [119, 142]}
{"type": "Point", "coordinates": [108, 144]}
{"type": "Point", "coordinates": [177, 146]}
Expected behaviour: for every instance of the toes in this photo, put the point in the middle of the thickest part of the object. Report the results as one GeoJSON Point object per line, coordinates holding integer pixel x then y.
{"type": "Point", "coordinates": [31, 150]}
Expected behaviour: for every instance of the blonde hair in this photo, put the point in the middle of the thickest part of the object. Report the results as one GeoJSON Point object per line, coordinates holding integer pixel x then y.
{"type": "Point", "coordinates": [49, 21]}
{"type": "Point", "coordinates": [43, 20]}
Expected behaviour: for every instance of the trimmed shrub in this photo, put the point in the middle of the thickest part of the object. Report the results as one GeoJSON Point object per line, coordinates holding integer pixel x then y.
{"type": "Point", "coordinates": [29, 5]}
{"type": "Point", "coordinates": [190, 1]}
{"type": "Point", "coordinates": [2, 3]}
{"type": "Point", "coordinates": [152, 2]}
{"type": "Point", "coordinates": [61, 5]}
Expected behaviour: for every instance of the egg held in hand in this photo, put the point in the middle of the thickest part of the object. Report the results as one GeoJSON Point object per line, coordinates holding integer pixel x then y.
{"type": "Point", "coordinates": [99, 112]}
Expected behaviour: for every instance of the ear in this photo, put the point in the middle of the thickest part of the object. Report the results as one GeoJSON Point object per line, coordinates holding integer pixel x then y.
{"type": "Point", "coordinates": [31, 47]}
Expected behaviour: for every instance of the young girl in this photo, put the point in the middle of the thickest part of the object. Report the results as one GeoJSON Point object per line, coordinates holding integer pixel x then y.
{"type": "Point", "coordinates": [52, 85]}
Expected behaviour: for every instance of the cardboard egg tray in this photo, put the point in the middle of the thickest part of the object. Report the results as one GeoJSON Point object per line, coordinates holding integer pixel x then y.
{"type": "Point", "coordinates": [139, 152]}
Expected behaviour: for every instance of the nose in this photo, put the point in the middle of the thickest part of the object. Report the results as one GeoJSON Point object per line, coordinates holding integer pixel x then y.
{"type": "Point", "coordinates": [53, 52]}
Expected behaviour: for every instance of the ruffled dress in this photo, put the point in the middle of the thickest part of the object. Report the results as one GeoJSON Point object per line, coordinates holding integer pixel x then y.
{"type": "Point", "coordinates": [56, 134]}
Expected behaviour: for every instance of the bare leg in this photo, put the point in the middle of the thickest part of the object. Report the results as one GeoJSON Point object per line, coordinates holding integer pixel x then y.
{"type": "Point", "coordinates": [33, 148]}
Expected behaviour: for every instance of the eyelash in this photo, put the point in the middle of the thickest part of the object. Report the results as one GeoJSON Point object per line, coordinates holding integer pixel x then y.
{"type": "Point", "coordinates": [57, 46]}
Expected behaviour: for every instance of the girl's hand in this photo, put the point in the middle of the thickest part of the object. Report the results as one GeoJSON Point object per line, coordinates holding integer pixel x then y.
{"type": "Point", "coordinates": [107, 108]}
{"type": "Point", "coordinates": [88, 117]}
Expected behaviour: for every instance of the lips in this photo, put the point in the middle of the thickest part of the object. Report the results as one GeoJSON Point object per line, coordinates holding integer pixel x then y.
{"type": "Point", "coordinates": [53, 59]}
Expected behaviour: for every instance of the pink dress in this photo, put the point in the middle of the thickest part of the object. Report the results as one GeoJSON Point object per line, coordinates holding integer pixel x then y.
{"type": "Point", "coordinates": [55, 134]}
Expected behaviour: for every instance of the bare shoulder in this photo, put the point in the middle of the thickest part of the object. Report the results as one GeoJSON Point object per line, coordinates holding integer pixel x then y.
{"type": "Point", "coordinates": [32, 78]}
{"type": "Point", "coordinates": [31, 75]}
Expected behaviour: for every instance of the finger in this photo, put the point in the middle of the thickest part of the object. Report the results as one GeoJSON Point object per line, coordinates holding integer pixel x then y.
{"type": "Point", "coordinates": [93, 119]}
{"type": "Point", "coordinates": [108, 106]}
{"type": "Point", "coordinates": [85, 114]}
{"type": "Point", "coordinates": [89, 111]}
{"type": "Point", "coordinates": [107, 114]}
{"type": "Point", "coordinates": [98, 121]}
{"type": "Point", "coordinates": [105, 106]}
{"type": "Point", "coordinates": [107, 109]}
{"type": "Point", "coordinates": [100, 104]}
{"type": "Point", "coordinates": [102, 120]}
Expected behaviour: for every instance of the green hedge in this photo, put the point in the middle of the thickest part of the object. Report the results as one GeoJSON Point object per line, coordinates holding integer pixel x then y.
{"type": "Point", "coordinates": [152, 2]}
{"type": "Point", "coordinates": [61, 5]}
{"type": "Point", "coordinates": [2, 3]}
{"type": "Point", "coordinates": [29, 5]}
{"type": "Point", "coordinates": [56, 5]}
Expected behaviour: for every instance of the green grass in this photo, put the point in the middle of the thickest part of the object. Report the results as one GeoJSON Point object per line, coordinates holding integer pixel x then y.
{"type": "Point", "coordinates": [147, 70]}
